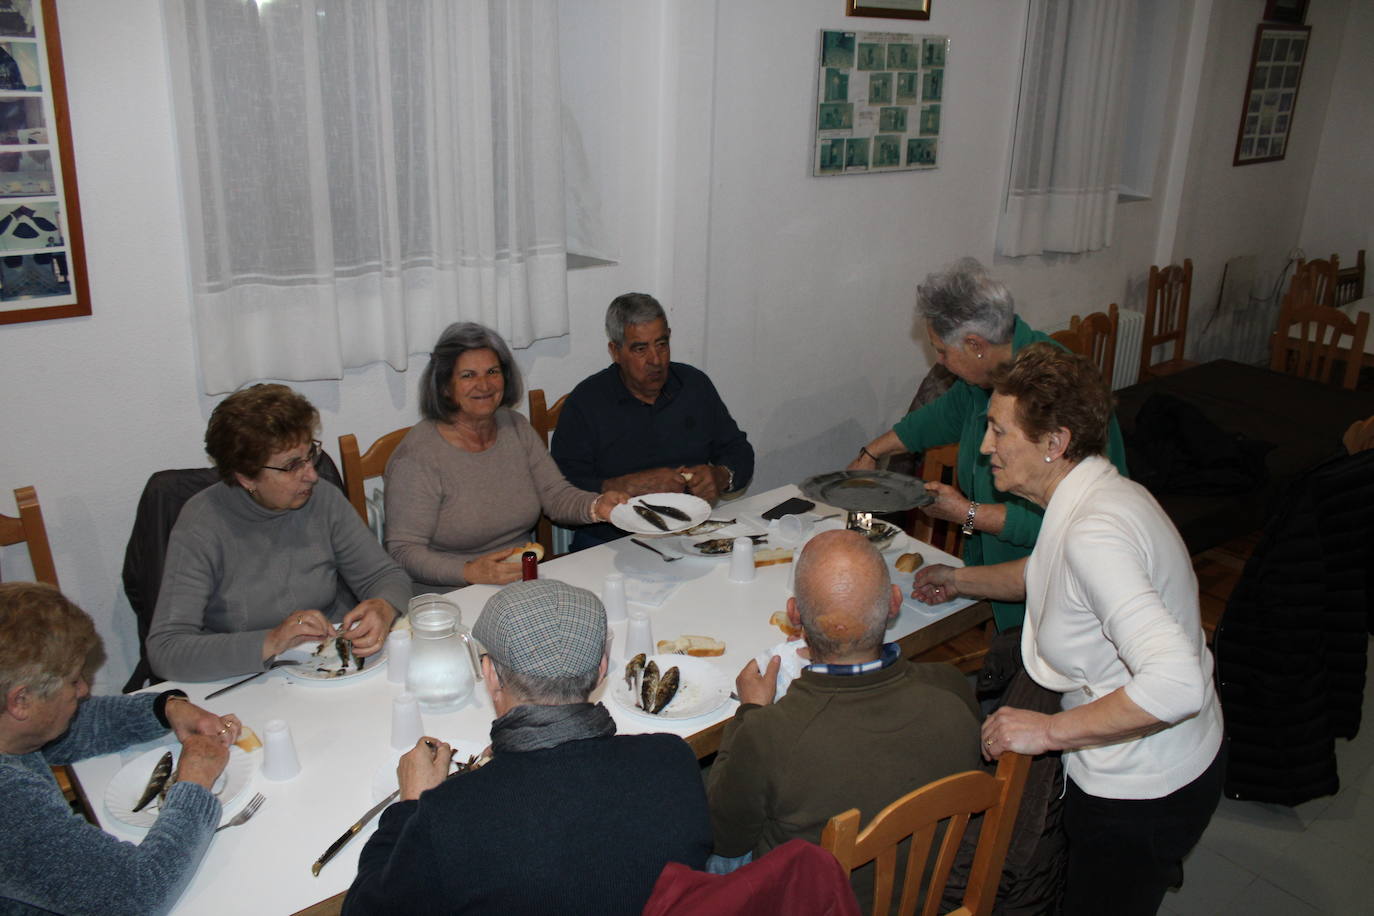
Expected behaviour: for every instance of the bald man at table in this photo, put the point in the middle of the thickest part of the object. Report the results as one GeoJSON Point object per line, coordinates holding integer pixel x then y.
{"type": "Point", "coordinates": [860, 727]}
{"type": "Point", "coordinates": [568, 817]}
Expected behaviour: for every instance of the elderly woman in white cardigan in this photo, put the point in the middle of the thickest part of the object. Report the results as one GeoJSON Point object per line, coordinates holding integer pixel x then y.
{"type": "Point", "coordinates": [1112, 623]}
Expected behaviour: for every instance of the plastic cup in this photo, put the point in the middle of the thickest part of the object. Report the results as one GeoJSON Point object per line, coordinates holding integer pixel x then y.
{"type": "Point", "coordinates": [639, 636]}
{"type": "Point", "coordinates": [397, 656]}
{"type": "Point", "coordinates": [406, 725]}
{"type": "Point", "coordinates": [794, 528]}
{"type": "Point", "coordinates": [613, 597]}
{"type": "Point", "coordinates": [279, 760]}
{"type": "Point", "coordinates": [742, 561]}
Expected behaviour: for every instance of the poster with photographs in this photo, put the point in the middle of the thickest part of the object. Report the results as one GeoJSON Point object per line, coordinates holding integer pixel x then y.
{"type": "Point", "coordinates": [1271, 94]}
{"type": "Point", "coordinates": [42, 267]}
{"type": "Point", "coordinates": [878, 102]}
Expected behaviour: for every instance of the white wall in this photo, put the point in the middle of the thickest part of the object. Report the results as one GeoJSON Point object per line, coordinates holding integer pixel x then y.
{"type": "Point", "coordinates": [795, 293]}
{"type": "Point", "coordinates": [1340, 203]}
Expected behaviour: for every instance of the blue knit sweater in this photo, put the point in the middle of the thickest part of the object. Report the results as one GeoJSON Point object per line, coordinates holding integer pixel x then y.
{"type": "Point", "coordinates": [52, 860]}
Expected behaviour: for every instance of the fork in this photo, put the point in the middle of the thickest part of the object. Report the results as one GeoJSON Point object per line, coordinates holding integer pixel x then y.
{"type": "Point", "coordinates": [248, 811]}
{"type": "Point", "coordinates": [666, 558]}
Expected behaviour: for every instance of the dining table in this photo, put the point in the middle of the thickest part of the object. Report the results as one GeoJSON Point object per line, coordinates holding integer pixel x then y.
{"type": "Point", "coordinates": [341, 729]}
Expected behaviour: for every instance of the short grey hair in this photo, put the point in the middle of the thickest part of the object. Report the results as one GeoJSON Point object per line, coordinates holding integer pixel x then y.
{"type": "Point", "coordinates": [964, 299]}
{"type": "Point", "coordinates": [436, 382]}
{"type": "Point", "coordinates": [816, 593]}
{"type": "Point", "coordinates": [548, 691]}
{"type": "Point", "coordinates": [631, 308]}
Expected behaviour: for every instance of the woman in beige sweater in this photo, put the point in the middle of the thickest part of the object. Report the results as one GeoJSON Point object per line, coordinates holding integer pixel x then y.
{"type": "Point", "coordinates": [468, 482]}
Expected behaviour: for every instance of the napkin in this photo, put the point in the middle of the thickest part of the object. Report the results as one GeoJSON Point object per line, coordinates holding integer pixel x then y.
{"type": "Point", "coordinates": [792, 663]}
{"type": "Point", "coordinates": [650, 588]}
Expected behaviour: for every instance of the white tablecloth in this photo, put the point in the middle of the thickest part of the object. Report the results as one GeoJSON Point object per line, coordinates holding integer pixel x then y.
{"type": "Point", "coordinates": [342, 730]}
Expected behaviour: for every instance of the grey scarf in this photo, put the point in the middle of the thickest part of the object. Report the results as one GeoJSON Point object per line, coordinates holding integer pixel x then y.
{"type": "Point", "coordinates": [533, 728]}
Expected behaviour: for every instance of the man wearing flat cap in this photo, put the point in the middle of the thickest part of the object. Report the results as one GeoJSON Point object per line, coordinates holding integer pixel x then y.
{"type": "Point", "coordinates": [567, 817]}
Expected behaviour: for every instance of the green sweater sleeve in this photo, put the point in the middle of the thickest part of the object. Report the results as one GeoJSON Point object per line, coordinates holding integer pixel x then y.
{"type": "Point", "coordinates": [938, 423]}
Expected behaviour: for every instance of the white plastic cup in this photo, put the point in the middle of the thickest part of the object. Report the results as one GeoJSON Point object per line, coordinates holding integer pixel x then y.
{"type": "Point", "coordinates": [279, 760]}
{"type": "Point", "coordinates": [639, 636]}
{"type": "Point", "coordinates": [794, 529]}
{"type": "Point", "coordinates": [742, 561]}
{"type": "Point", "coordinates": [406, 724]}
{"type": "Point", "coordinates": [397, 655]}
{"type": "Point", "coordinates": [613, 597]}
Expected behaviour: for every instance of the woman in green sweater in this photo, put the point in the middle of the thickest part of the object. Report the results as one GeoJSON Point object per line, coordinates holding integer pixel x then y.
{"type": "Point", "coordinates": [972, 324]}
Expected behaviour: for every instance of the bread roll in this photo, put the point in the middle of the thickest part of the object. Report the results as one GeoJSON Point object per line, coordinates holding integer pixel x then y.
{"type": "Point", "coordinates": [696, 646]}
{"type": "Point", "coordinates": [779, 620]}
{"type": "Point", "coordinates": [909, 562]}
{"type": "Point", "coordinates": [533, 546]}
{"type": "Point", "coordinates": [769, 556]}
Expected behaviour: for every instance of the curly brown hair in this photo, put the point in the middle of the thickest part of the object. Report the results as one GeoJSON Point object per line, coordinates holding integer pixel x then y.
{"type": "Point", "coordinates": [249, 425]}
{"type": "Point", "coordinates": [43, 636]}
{"type": "Point", "coordinates": [1055, 388]}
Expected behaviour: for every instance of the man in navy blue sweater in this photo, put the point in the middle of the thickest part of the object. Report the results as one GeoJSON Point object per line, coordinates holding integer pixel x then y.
{"type": "Point", "coordinates": [568, 817]}
{"type": "Point", "coordinates": [646, 424]}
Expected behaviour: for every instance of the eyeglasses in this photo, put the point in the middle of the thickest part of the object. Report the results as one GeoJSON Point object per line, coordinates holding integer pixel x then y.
{"type": "Point", "coordinates": [298, 465]}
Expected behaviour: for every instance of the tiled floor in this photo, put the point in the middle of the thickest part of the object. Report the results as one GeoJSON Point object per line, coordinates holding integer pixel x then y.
{"type": "Point", "coordinates": [1257, 859]}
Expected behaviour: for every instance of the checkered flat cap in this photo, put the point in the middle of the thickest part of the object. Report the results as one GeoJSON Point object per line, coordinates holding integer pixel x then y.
{"type": "Point", "coordinates": [543, 628]}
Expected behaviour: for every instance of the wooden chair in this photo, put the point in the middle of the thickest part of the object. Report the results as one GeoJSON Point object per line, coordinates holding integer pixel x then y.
{"type": "Point", "coordinates": [544, 419]}
{"type": "Point", "coordinates": [1350, 282]}
{"type": "Point", "coordinates": [1097, 333]}
{"type": "Point", "coordinates": [1307, 340]}
{"type": "Point", "coordinates": [953, 801]}
{"type": "Point", "coordinates": [1166, 318]}
{"type": "Point", "coordinates": [359, 468]}
{"type": "Point", "coordinates": [1323, 275]}
{"type": "Point", "coordinates": [28, 528]}
{"type": "Point", "coordinates": [1070, 338]}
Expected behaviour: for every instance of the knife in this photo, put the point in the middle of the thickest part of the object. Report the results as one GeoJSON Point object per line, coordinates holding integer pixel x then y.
{"type": "Point", "coordinates": [351, 832]}
{"type": "Point", "coordinates": [279, 663]}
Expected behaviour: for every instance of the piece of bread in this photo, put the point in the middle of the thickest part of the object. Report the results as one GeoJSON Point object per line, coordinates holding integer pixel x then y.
{"type": "Point", "coordinates": [534, 546]}
{"type": "Point", "coordinates": [779, 620]}
{"type": "Point", "coordinates": [697, 646]}
{"type": "Point", "coordinates": [769, 556]}
{"type": "Point", "coordinates": [248, 740]}
{"type": "Point", "coordinates": [909, 562]}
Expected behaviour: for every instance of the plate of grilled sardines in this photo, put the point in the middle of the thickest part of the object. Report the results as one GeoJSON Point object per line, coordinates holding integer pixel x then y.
{"type": "Point", "coordinates": [670, 686]}
{"type": "Point", "coordinates": [136, 793]}
{"type": "Point", "coordinates": [660, 513]}
{"type": "Point", "coordinates": [330, 661]}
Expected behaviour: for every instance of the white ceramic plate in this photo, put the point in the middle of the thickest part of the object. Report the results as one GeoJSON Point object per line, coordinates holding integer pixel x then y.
{"type": "Point", "coordinates": [626, 518]}
{"type": "Point", "coordinates": [703, 688]}
{"type": "Point", "coordinates": [127, 786]}
{"type": "Point", "coordinates": [308, 671]}
{"type": "Point", "coordinates": [688, 546]}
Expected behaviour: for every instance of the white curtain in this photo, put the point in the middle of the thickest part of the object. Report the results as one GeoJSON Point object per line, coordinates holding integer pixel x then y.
{"type": "Point", "coordinates": [359, 173]}
{"type": "Point", "coordinates": [1066, 151]}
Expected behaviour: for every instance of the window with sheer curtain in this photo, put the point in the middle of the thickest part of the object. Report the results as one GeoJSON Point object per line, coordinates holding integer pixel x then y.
{"type": "Point", "coordinates": [359, 173]}
{"type": "Point", "coordinates": [1070, 124]}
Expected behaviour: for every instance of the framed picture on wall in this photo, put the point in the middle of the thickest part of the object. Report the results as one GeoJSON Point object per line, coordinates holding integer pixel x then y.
{"type": "Point", "coordinates": [1271, 93]}
{"type": "Point", "coordinates": [890, 9]}
{"type": "Point", "coordinates": [42, 258]}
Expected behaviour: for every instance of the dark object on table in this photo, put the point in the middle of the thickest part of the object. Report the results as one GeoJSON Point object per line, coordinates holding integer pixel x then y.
{"type": "Point", "coordinates": [1292, 646]}
{"type": "Point", "coordinates": [163, 496]}
{"type": "Point", "coordinates": [1304, 420]}
{"type": "Point", "coordinates": [1174, 448]}
{"type": "Point", "coordinates": [793, 506]}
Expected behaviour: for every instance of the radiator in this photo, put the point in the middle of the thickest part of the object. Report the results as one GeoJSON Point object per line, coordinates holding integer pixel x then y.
{"type": "Point", "coordinates": [1130, 330]}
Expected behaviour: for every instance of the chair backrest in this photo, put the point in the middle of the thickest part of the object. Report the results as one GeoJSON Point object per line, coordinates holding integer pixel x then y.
{"type": "Point", "coordinates": [1097, 332]}
{"type": "Point", "coordinates": [939, 464]}
{"type": "Point", "coordinates": [1307, 341]}
{"type": "Point", "coordinates": [1322, 274]}
{"type": "Point", "coordinates": [951, 801]}
{"type": "Point", "coordinates": [164, 495]}
{"type": "Point", "coordinates": [359, 468]}
{"type": "Point", "coordinates": [28, 528]}
{"type": "Point", "coordinates": [1350, 282]}
{"type": "Point", "coordinates": [544, 419]}
{"type": "Point", "coordinates": [1166, 311]}
{"type": "Point", "coordinates": [1070, 337]}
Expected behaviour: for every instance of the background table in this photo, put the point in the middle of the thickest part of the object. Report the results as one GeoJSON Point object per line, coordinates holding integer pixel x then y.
{"type": "Point", "coordinates": [342, 730]}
